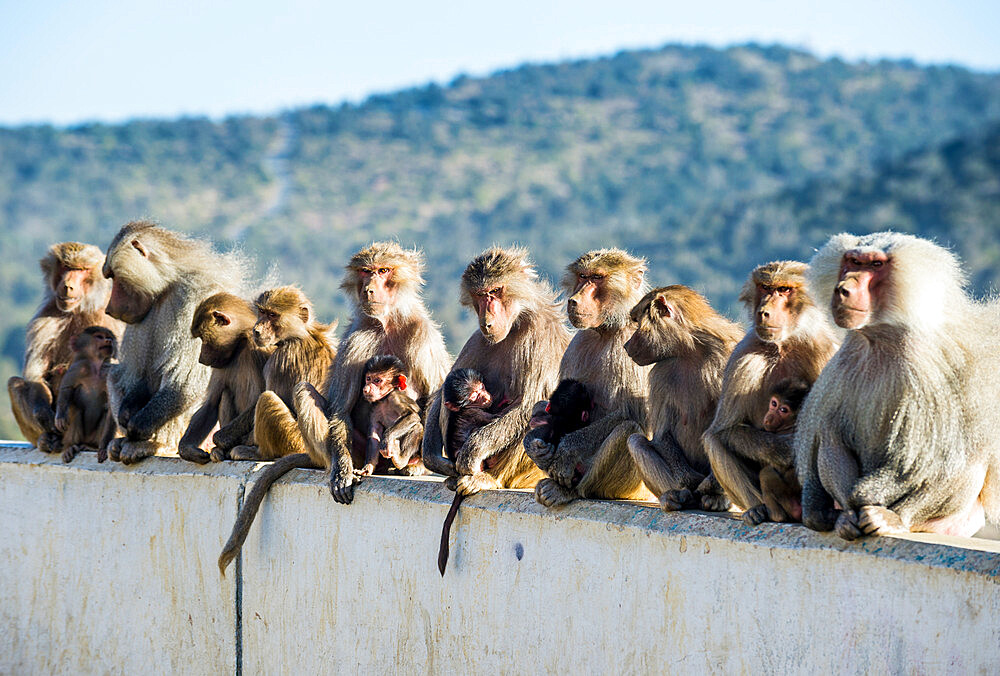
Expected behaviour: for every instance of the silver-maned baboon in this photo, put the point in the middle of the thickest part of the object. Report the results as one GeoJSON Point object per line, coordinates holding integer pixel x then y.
{"type": "Point", "coordinates": [790, 338]}
{"type": "Point", "coordinates": [901, 427]}
{"type": "Point", "coordinates": [159, 278]}
{"type": "Point", "coordinates": [75, 297]}
{"type": "Point", "coordinates": [602, 287]}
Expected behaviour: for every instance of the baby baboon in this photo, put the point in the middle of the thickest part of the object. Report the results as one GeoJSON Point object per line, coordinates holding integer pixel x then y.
{"type": "Point", "coordinates": [82, 415]}
{"type": "Point", "coordinates": [567, 410]}
{"type": "Point", "coordinates": [779, 487]}
{"type": "Point", "coordinates": [469, 401]}
{"type": "Point", "coordinates": [394, 430]}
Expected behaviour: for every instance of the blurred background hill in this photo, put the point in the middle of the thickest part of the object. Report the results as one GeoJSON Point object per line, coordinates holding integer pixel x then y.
{"type": "Point", "coordinates": [707, 161]}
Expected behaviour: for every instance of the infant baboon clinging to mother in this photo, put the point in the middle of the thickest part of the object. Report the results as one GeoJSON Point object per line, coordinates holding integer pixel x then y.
{"type": "Point", "coordinates": [393, 430]}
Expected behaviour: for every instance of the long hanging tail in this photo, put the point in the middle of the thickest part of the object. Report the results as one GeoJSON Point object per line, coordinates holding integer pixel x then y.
{"type": "Point", "coordinates": [446, 533]}
{"type": "Point", "coordinates": [251, 504]}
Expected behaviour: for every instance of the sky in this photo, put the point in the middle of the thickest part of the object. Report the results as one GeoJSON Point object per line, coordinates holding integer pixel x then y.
{"type": "Point", "coordinates": [66, 61]}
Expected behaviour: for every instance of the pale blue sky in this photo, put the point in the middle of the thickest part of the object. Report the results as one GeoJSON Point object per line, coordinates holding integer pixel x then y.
{"type": "Point", "coordinates": [66, 61]}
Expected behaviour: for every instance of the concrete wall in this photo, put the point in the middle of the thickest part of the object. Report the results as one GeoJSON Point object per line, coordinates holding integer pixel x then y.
{"type": "Point", "coordinates": [112, 569]}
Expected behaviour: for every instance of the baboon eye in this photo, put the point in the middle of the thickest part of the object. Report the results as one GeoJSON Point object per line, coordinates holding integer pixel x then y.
{"type": "Point", "coordinates": [877, 264]}
{"type": "Point", "coordinates": [784, 289]}
{"type": "Point", "coordinates": [383, 271]}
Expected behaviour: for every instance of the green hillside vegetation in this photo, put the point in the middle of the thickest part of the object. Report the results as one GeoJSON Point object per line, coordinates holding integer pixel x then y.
{"type": "Point", "coordinates": [706, 161]}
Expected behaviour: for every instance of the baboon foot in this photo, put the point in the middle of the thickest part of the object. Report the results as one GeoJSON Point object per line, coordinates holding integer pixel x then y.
{"type": "Point", "coordinates": [715, 502]}
{"type": "Point", "coordinates": [822, 521]}
{"type": "Point", "coordinates": [551, 494]}
{"type": "Point", "coordinates": [134, 451]}
{"type": "Point", "coordinates": [342, 487]}
{"type": "Point", "coordinates": [470, 484]}
{"type": "Point", "coordinates": [451, 483]}
{"type": "Point", "coordinates": [192, 453]}
{"type": "Point", "coordinates": [540, 452]}
{"type": "Point", "coordinates": [218, 454]}
{"type": "Point", "coordinates": [244, 452]}
{"type": "Point", "coordinates": [114, 449]}
{"type": "Point", "coordinates": [674, 500]}
{"type": "Point", "coordinates": [756, 515]}
{"type": "Point", "coordinates": [847, 525]}
{"type": "Point", "coordinates": [49, 442]}
{"type": "Point", "coordinates": [878, 520]}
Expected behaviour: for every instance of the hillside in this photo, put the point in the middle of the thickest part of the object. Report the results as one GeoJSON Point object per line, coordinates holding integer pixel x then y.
{"type": "Point", "coordinates": [707, 161]}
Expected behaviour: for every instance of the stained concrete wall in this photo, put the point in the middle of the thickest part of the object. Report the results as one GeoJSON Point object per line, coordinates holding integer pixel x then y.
{"type": "Point", "coordinates": [112, 569]}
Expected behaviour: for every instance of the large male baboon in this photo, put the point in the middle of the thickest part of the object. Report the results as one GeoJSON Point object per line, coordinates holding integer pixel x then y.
{"type": "Point", "coordinates": [75, 297]}
{"type": "Point", "coordinates": [159, 278]}
{"type": "Point", "coordinates": [594, 461]}
{"type": "Point", "coordinates": [901, 427]}
{"type": "Point", "coordinates": [517, 349]}
{"type": "Point", "coordinates": [790, 338]}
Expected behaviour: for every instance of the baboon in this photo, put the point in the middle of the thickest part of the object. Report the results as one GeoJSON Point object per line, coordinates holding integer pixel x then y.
{"type": "Point", "coordinates": [383, 283]}
{"type": "Point", "coordinates": [75, 296]}
{"type": "Point", "coordinates": [567, 410]}
{"type": "Point", "coordinates": [465, 395]}
{"type": "Point", "coordinates": [517, 348]}
{"type": "Point", "coordinates": [224, 323]}
{"type": "Point", "coordinates": [158, 279]}
{"type": "Point", "coordinates": [779, 487]}
{"type": "Point", "coordinates": [688, 344]}
{"type": "Point", "coordinates": [790, 338]}
{"type": "Point", "coordinates": [879, 432]}
{"type": "Point", "coordinates": [602, 286]}
{"type": "Point", "coordinates": [391, 420]}
{"type": "Point", "coordinates": [302, 351]}
{"type": "Point", "coordinates": [786, 401]}
{"type": "Point", "coordinates": [82, 415]}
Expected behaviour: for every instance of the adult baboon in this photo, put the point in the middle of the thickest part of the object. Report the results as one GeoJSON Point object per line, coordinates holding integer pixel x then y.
{"type": "Point", "coordinates": [602, 286]}
{"type": "Point", "coordinates": [688, 344]}
{"type": "Point", "coordinates": [159, 278]}
{"type": "Point", "coordinates": [75, 297]}
{"type": "Point", "coordinates": [224, 323]}
{"type": "Point", "coordinates": [383, 283]}
{"type": "Point", "coordinates": [517, 349]}
{"type": "Point", "coordinates": [790, 338]}
{"type": "Point", "coordinates": [901, 427]}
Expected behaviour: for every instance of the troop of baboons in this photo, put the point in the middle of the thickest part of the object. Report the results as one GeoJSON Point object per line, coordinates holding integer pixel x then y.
{"type": "Point", "coordinates": [862, 399]}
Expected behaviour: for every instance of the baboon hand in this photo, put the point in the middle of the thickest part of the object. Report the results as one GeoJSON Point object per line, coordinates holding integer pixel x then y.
{"type": "Point", "coordinates": [224, 439]}
{"type": "Point", "coordinates": [342, 486]}
{"type": "Point", "coordinates": [62, 422]}
{"type": "Point", "coordinates": [365, 471]}
{"type": "Point", "coordinates": [563, 470]}
{"type": "Point", "coordinates": [540, 451]}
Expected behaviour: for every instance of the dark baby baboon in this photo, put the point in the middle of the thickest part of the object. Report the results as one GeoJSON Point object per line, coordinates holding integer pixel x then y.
{"type": "Point", "coordinates": [82, 414]}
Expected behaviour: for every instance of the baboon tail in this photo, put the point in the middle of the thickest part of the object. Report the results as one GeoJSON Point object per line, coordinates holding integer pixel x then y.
{"type": "Point", "coordinates": [444, 549]}
{"type": "Point", "coordinates": [251, 503]}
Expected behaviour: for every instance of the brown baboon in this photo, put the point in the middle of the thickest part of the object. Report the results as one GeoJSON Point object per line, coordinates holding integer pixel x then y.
{"type": "Point", "coordinates": [159, 278]}
{"type": "Point", "coordinates": [224, 323]}
{"type": "Point", "coordinates": [790, 339]}
{"type": "Point", "coordinates": [594, 461]}
{"type": "Point", "coordinates": [688, 343]}
{"type": "Point", "coordinates": [517, 348]}
{"type": "Point", "coordinates": [302, 351]}
{"type": "Point", "coordinates": [75, 296]}
{"type": "Point", "coordinates": [391, 421]}
{"type": "Point", "coordinates": [779, 487]}
{"type": "Point", "coordinates": [82, 415]}
{"type": "Point", "coordinates": [383, 282]}
{"type": "Point", "coordinates": [879, 431]}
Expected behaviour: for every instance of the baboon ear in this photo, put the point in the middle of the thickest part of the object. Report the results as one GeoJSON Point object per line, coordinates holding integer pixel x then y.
{"type": "Point", "coordinates": [137, 245]}
{"type": "Point", "coordinates": [304, 314]}
{"type": "Point", "coordinates": [451, 407]}
{"type": "Point", "coordinates": [221, 319]}
{"type": "Point", "coordinates": [637, 280]}
{"type": "Point", "coordinates": [585, 416]}
{"type": "Point", "coordinates": [401, 382]}
{"type": "Point", "coordinates": [663, 307]}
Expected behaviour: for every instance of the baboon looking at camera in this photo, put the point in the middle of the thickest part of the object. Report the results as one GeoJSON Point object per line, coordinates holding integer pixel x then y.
{"type": "Point", "coordinates": [75, 297]}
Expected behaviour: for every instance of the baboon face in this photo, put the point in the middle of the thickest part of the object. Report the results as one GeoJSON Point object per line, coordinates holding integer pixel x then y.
{"type": "Point", "coordinates": [219, 338]}
{"type": "Point", "coordinates": [272, 327]}
{"type": "Point", "coordinates": [96, 342]}
{"type": "Point", "coordinates": [585, 306]}
{"type": "Point", "coordinates": [862, 274]}
{"type": "Point", "coordinates": [496, 312]}
{"type": "Point", "coordinates": [70, 286]}
{"type": "Point", "coordinates": [378, 384]}
{"type": "Point", "coordinates": [777, 311]}
{"type": "Point", "coordinates": [377, 293]}
{"type": "Point", "coordinates": [780, 416]}
{"type": "Point", "coordinates": [127, 266]}
{"type": "Point", "coordinates": [655, 337]}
